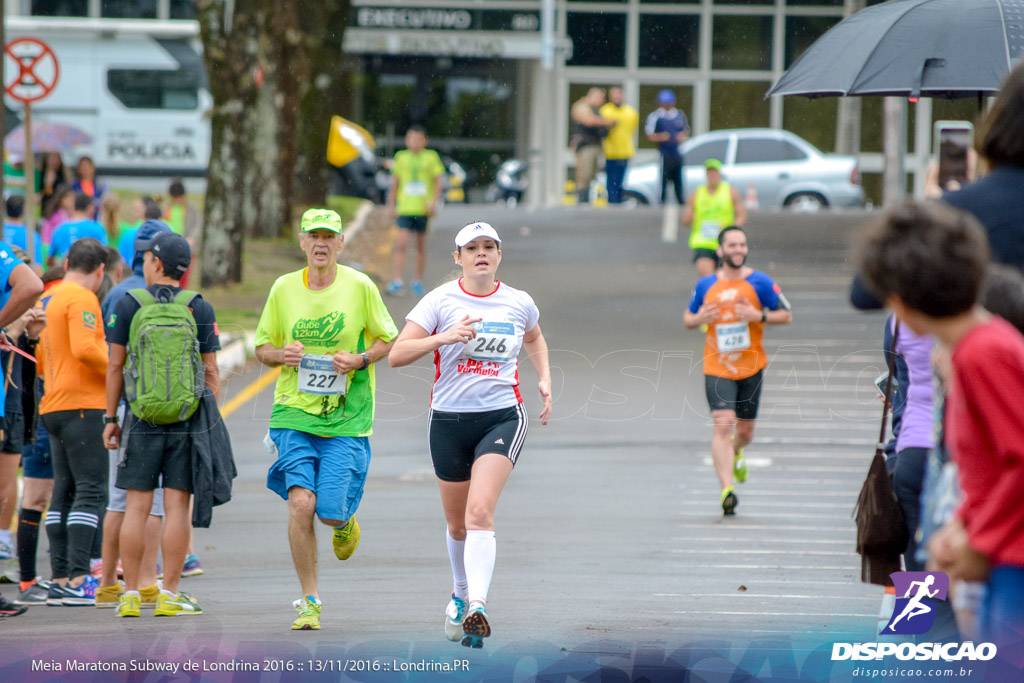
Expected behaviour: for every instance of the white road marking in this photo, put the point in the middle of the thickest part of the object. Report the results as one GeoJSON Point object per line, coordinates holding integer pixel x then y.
{"type": "Point", "coordinates": [670, 223]}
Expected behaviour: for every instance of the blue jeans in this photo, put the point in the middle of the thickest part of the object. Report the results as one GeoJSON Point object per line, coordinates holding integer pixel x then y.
{"type": "Point", "coordinates": [615, 172]}
{"type": "Point", "coordinates": [1001, 618]}
{"type": "Point", "coordinates": [907, 482]}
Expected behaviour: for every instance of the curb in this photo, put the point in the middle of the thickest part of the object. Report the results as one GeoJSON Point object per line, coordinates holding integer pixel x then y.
{"type": "Point", "coordinates": [234, 352]}
{"type": "Point", "coordinates": [359, 221]}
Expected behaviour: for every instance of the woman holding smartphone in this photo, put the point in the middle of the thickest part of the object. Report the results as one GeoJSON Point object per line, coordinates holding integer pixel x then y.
{"type": "Point", "coordinates": [475, 327]}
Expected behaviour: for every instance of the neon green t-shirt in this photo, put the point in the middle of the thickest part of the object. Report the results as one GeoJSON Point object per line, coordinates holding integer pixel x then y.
{"type": "Point", "coordinates": [347, 316]}
{"type": "Point", "coordinates": [416, 176]}
{"type": "Point", "coordinates": [176, 218]}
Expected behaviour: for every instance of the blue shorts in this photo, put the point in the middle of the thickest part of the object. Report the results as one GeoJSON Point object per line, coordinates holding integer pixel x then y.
{"type": "Point", "coordinates": [332, 467]}
{"type": "Point", "coordinates": [35, 457]}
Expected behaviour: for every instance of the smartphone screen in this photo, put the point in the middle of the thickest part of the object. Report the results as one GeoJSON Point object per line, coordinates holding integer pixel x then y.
{"type": "Point", "coordinates": [954, 141]}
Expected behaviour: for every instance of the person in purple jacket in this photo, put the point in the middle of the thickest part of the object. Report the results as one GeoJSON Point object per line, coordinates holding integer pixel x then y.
{"type": "Point", "coordinates": [915, 437]}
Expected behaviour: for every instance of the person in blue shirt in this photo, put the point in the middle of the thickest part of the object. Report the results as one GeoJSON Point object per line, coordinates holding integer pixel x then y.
{"type": "Point", "coordinates": [14, 227]}
{"type": "Point", "coordinates": [19, 289]}
{"type": "Point", "coordinates": [146, 209]}
{"type": "Point", "coordinates": [78, 226]}
{"type": "Point", "coordinates": [668, 126]}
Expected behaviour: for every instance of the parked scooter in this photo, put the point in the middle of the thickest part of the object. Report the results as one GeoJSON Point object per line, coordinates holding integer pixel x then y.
{"type": "Point", "coordinates": [510, 183]}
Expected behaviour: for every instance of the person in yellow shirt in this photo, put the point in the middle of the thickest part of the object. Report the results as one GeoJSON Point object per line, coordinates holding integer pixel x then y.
{"type": "Point", "coordinates": [417, 180]}
{"type": "Point", "coordinates": [712, 208]}
{"type": "Point", "coordinates": [619, 147]}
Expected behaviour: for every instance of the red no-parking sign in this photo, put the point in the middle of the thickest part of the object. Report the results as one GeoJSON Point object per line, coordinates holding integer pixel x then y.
{"type": "Point", "coordinates": [35, 69]}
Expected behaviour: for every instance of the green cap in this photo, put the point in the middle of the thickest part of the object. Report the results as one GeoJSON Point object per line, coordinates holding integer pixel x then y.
{"type": "Point", "coordinates": [321, 219]}
{"type": "Point", "coordinates": [713, 163]}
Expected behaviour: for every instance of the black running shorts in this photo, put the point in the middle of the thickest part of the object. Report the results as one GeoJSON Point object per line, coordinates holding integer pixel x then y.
{"type": "Point", "coordinates": [156, 456]}
{"type": "Point", "coordinates": [458, 439]}
{"type": "Point", "coordinates": [741, 396]}
{"type": "Point", "coordinates": [706, 253]}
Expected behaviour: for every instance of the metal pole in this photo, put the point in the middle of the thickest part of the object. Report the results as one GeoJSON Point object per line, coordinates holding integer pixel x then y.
{"type": "Point", "coordinates": [30, 186]}
{"type": "Point", "coordinates": [848, 120]}
{"type": "Point", "coordinates": [894, 145]}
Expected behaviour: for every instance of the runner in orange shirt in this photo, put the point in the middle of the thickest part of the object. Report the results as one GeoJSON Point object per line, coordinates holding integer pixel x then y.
{"type": "Point", "coordinates": [735, 303]}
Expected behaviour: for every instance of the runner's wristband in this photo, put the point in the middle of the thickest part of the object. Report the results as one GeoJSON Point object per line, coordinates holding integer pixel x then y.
{"type": "Point", "coordinates": [764, 315]}
{"type": "Point", "coordinates": [366, 362]}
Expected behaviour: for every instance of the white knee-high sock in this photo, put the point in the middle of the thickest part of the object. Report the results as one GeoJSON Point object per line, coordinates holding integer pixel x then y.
{"type": "Point", "coordinates": [481, 549]}
{"type": "Point", "coordinates": [456, 553]}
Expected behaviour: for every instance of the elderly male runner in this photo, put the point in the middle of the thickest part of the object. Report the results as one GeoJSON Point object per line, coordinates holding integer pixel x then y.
{"type": "Point", "coordinates": [735, 303]}
{"type": "Point", "coordinates": [327, 325]}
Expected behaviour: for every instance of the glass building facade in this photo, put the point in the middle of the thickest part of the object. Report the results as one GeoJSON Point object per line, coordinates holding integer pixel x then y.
{"type": "Point", "coordinates": [471, 71]}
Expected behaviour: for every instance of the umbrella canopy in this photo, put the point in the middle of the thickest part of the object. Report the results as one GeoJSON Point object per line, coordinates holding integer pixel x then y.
{"type": "Point", "coordinates": [46, 137]}
{"type": "Point", "coordinates": [913, 48]}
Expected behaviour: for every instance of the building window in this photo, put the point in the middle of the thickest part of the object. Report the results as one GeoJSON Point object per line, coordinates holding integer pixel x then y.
{"type": "Point", "coordinates": [812, 119]}
{"type": "Point", "coordinates": [154, 88]}
{"type": "Point", "coordinates": [767, 150]}
{"type": "Point", "coordinates": [388, 99]}
{"type": "Point", "coordinates": [598, 39]}
{"type": "Point", "coordinates": [801, 32]}
{"type": "Point", "coordinates": [128, 9]}
{"type": "Point", "coordinates": [741, 42]}
{"type": "Point", "coordinates": [60, 8]}
{"type": "Point", "coordinates": [669, 40]}
{"type": "Point", "coordinates": [816, 3]}
{"type": "Point", "coordinates": [183, 9]}
{"type": "Point", "coordinates": [673, 2]}
{"type": "Point", "coordinates": [739, 104]}
{"type": "Point", "coordinates": [649, 102]}
{"type": "Point", "coordinates": [746, 2]}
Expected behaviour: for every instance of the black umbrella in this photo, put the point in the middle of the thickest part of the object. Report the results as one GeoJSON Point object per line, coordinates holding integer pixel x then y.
{"type": "Point", "coordinates": [913, 48]}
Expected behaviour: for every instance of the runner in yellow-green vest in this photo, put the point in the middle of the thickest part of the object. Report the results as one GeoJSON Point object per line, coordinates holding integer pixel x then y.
{"type": "Point", "coordinates": [711, 208]}
{"type": "Point", "coordinates": [325, 326]}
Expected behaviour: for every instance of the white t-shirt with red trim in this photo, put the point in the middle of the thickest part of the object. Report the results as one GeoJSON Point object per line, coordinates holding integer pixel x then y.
{"type": "Point", "coordinates": [482, 374]}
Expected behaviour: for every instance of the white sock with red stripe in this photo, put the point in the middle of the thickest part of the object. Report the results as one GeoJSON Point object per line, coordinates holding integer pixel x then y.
{"type": "Point", "coordinates": [481, 549]}
{"type": "Point", "coordinates": [456, 553]}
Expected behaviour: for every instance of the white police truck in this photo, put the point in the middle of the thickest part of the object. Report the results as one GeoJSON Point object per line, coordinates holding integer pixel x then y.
{"type": "Point", "coordinates": [137, 88]}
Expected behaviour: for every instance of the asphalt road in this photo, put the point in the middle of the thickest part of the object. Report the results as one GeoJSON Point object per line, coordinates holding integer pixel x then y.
{"type": "Point", "coordinates": [612, 550]}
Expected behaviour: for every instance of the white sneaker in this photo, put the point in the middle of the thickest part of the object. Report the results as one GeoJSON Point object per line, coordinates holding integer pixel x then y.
{"type": "Point", "coordinates": [453, 616]}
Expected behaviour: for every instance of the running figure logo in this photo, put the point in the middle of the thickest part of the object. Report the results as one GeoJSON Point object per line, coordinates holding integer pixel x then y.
{"type": "Point", "coordinates": [912, 616]}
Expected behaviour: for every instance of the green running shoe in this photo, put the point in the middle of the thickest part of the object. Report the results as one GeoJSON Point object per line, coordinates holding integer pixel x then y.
{"type": "Point", "coordinates": [309, 614]}
{"type": "Point", "coordinates": [128, 606]}
{"type": "Point", "coordinates": [182, 603]}
{"type": "Point", "coordinates": [729, 501]}
{"type": "Point", "coordinates": [346, 539]}
{"type": "Point", "coordinates": [739, 467]}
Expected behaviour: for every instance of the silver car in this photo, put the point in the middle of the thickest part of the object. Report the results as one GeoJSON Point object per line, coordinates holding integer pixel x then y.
{"type": "Point", "coordinates": [786, 170]}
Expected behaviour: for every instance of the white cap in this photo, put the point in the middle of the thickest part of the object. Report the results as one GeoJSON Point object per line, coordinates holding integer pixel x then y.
{"type": "Point", "coordinates": [474, 230]}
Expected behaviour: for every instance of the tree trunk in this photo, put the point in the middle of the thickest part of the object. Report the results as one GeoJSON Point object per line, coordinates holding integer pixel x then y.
{"type": "Point", "coordinates": [249, 179]}
{"type": "Point", "coordinates": [325, 91]}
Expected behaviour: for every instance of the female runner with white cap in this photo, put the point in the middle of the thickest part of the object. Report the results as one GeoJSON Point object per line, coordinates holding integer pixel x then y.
{"type": "Point", "coordinates": [475, 327]}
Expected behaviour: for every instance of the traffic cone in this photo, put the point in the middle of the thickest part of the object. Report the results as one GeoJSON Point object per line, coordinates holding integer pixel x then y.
{"type": "Point", "coordinates": [750, 201]}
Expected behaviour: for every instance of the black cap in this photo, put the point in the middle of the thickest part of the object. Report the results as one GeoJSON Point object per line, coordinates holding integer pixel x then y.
{"type": "Point", "coordinates": [171, 248]}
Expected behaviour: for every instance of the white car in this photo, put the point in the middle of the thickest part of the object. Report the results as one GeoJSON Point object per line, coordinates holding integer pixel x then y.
{"type": "Point", "coordinates": [786, 170]}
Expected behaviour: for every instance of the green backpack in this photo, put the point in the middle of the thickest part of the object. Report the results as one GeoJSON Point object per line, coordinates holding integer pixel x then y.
{"type": "Point", "coordinates": [164, 374]}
